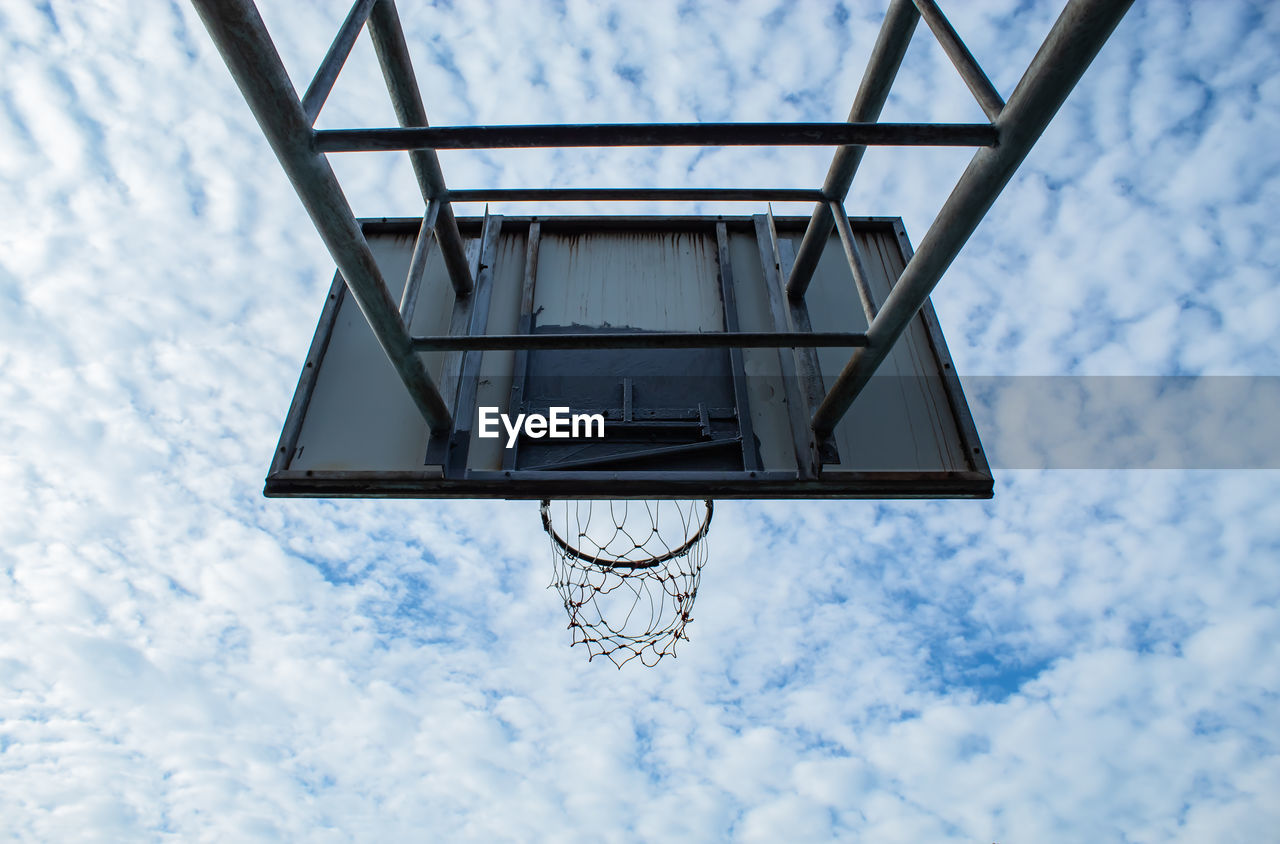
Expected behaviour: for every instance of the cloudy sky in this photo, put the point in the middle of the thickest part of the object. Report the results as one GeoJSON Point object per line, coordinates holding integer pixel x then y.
{"type": "Point", "coordinates": [1092, 655]}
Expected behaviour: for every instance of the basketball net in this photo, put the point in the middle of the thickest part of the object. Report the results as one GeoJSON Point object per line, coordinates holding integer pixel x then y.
{"type": "Point", "coordinates": [628, 572]}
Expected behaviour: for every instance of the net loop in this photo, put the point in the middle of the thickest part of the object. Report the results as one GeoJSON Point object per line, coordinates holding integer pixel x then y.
{"type": "Point", "coordinates": [628, 572]}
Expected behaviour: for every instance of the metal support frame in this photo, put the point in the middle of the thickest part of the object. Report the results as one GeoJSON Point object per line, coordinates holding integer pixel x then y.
{"type": "Point", "coordinates": [612, 461]}
{"type": "Point", "coordinates": [460, 322]}
{"type": "Point", "coordinates": [656, 135]}
{"type": "Point", "coordinates": [246, 48]}
{"type": "Point", "coordinates": [339, 50]}
{"type": "Point", "coordinates": [891, 46]}
{"type": "Point", "coordinates": [983, 91]}
{"type": "Point", "coordinates": [854, 257]}
{"type": "Point", "coordinates": [604, 483]}
{"type": "Point", "coordinates": [418, 263]}
{"type": "Point", "coordinates": [241, 38]}
{"type": "Point", "coordinates": [402, 85]}
{"type": "Point", "coordinates": [1076, 37]}
{"type": "Point", "coordinates": [644, 340]}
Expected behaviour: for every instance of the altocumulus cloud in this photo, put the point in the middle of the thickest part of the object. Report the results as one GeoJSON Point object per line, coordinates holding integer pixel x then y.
{"type": "Point", "coordinates": [1092, 655]}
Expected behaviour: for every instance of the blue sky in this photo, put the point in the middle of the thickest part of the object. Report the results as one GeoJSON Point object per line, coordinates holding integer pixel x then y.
{"type": "Point", "coordinates": [1092, 655]}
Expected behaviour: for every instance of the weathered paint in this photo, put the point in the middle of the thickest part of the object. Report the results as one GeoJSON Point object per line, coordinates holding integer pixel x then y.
{"type": "Point", "coordinates": [654, 281]}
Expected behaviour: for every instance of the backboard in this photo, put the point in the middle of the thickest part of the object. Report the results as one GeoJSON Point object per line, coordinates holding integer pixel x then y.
{"type": "Point", "coordinates": [682, 413]}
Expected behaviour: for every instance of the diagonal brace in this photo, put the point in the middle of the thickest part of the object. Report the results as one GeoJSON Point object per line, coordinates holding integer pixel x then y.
{"type": "Point", "coordinates": [240, 36]}
{"type": "Point", "coordinates": [331, 66]}
{"type": "Point", "coordinates": [886, 57]}
{"type": "Point", "coordinates": [1076, 37]}
{"type": "Point", "coordinates": [397, 71]}
{"type": "Point", "coordinates": [983, 91]}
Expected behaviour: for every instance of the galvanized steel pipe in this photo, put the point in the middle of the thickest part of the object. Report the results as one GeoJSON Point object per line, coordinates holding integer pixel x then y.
{"type": "Point", "coordinates": [628, 194]}
{"type": "Point", "coordinates": [656, 135]}
{"type": "Point", "coordinates": [402, 85]}
{"type": "Point", "coordinates": [1076, 37]}
{"type": "Point", "coordinates": [246, 48]}
{"type": "Point", "coordinates": [331, 66]}
{"type": "Point", "coordinates": [642, 340]}
{"type": "Point", "coordinates": [891, 45]}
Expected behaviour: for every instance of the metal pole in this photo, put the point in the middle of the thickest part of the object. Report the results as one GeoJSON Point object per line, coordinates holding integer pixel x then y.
{"type": "Point", "coordinates": [242, 39]}
{"type": "Point", "coordinates": [658, 135]}
{"type": "Point", "coordinates": [418, 263]}
{"type": "Point", "coordinates": [397, 71]}
{"type": "Point", "coordinates": [983, 91]}
{"type": "Point", "coordinates": [1076, 37]}
{"type": "Point", "coordinates": [322, 83]}
{"type": "Point", "coordinates": [886, 56]}
{"type": "Point", "coordinates": [619, 194]}
{"type": "Point", "coordinates": [856, 267]}
{"type": "Point", "coordinates": [642, 340]}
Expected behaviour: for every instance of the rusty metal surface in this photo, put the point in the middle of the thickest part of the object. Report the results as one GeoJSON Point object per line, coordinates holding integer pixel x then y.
{"type": "Point", "coordinates": [662, 278]}
{"type": "Point", "coordinates": [635, 194]}
{"type": "Point", "coordinates": [653, 281]}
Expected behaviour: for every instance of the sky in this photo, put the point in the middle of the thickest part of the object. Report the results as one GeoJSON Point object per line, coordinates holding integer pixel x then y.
{"type": "Point", "coordinates": [1091, 655]}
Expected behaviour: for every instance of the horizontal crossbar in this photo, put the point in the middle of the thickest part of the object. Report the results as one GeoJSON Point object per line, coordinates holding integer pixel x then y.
{"type": "Point", "coordinates": [651, 194]}
{"type": "Point", "coordinates": [641, 340]}
{"type": "Point", "coordinates": [658, 135]}
{"type": "Point", "coordinates": [624, 457]}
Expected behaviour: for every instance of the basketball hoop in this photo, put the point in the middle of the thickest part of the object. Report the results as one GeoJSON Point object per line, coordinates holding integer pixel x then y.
{"type": "Point", "coordinates": [628, 572]}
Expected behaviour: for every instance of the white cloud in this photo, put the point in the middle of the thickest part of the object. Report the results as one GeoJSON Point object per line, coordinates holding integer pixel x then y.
{"type": "Point", "coordinates": [1090, 655]}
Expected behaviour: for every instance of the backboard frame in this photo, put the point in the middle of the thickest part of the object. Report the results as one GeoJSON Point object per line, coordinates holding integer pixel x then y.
{"type": "Point", "coordinates": [450, 478]}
